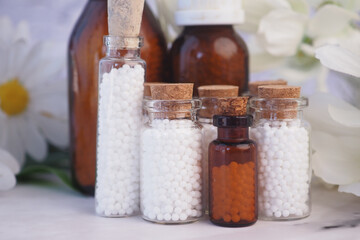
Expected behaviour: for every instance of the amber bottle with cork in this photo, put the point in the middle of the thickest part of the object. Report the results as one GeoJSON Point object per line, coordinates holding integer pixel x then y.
{"type": "Point", "coordinates": [209, 51]}
{"type": "Point", "coordinates": [233, 172]}
{"type": "Point", "coordinates": [85, 51]}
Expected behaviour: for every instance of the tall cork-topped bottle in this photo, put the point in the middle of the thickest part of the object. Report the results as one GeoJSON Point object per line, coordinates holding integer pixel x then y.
{"type": "Point", "coordinates": [209, 51]}
{"type": "Point", "coordinates": [85, 51]}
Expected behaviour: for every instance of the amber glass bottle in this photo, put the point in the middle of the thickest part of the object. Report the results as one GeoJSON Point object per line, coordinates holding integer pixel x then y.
{"type": "Point", "coordinates": [210, 55]}
{"type": "Point", "coordinates": [85, 51]}
{"type": "Point", "coordinates": [233, 173]}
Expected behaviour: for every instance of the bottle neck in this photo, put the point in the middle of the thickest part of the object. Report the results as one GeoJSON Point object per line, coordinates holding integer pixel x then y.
{"type": "Point", "coordinates": [233, 134]}
{"type": "Point", "coordinates": [123, 53]}
{"type": "Point", "coordinates": [208, 28]}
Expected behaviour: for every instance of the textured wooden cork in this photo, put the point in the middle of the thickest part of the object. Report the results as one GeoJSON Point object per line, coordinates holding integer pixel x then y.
{"type": "Point", "coordinates": [178, 96]}
{"type": "Point", "coordinates": [218, 91]}
{"type": "Point", "coordinates": [168, 91]}
{"type": "Point", "coordinates": [147, 90]}
{"type": "Point", "coordinates": [253, 86]}
{"type": "Point", "coordinates": [278, 105]}
{"type": "Point", "coordinates": [124, 18]}
{"type": "Point", "coordinates": [234, 106]}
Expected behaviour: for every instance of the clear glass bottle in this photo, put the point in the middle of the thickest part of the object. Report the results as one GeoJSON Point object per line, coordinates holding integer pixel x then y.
{"type": "Point", "coordinates": [233, 173]}
{"type": "Point", "coordinates": [283, 139]}
{"type": "Point", "coordinates": [121, 79]}
{"type": "Point", "coordinates": [170, 168]}
{"type": "Point", "coordinates": [209, 134]}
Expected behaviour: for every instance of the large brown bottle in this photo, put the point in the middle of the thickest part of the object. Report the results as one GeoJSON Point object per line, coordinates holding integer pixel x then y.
{"type": "Point", "coordinates": [85, 51]}
{"type": "Point", "coordinates": [209, 51]}
{"type": "Point", "coordinates": [210, 55]}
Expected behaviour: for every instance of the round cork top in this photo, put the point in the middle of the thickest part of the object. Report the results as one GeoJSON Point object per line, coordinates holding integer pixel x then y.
{"type": "Point", "coordinates": [279, 91]}
{"type": "Point", "coordinates": [253, 86]}
{"type": "Point", "coordinates": [218, 91]}
{"type": "Point", "coordinates": [171, 91]}
{"type": "Point", "coordinates": [234, 106]}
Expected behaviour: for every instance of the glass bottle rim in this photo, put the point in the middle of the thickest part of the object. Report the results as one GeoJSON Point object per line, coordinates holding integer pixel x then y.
{"type": "Point", "coordinates": [279, 104]}
{"type": "Point", "coordinates": [123, 42]}
{"type": "Point", "coordinates": [179, 106]}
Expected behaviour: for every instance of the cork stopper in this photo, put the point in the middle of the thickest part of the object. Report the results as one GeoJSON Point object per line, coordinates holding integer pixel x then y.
{"type": "Point", "coordinates": [124, 18]}
{"type": "Point", "coordinates": [234, 106]}
{"type": "Point", "coordinates": [253, 86]}
{"type": "Point", "coordinates": [218, 91]}
{"type": "Point", "coordinates": [147, 91]}
{"type": "Point", "coordinates": [168, 91]}
{"type": "Point", "coordinates": [178, 96]}
{"type": "Point", "coordinates": [279, 91]}
{"type": "Point", "coordinates": [277, 104]}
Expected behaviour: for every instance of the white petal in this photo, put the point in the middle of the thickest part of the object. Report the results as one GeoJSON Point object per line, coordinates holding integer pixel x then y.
{"type": "Point", "coordinates": [281, 32]}
{"type": "Point", "coordinates": [13, 142]}
{"type": "Point", "coordinates": [55, 130]}
{"type": "Point", "coordinates": [22, 31]}
{"type": "Point", "coordinates": [332, 160]}
{"type": "Point", "coordinates": [7, 159]}
{"type": "Point", "coordinates": [330, 20]}
{"type": "Point", "coordinates": [255, 10]}
{"type": "Point", "coordinates": [3, 65]}
{"type": "Point", "coordinates": [34, 142]}
{"type": "Point", "coordinates": [6, 31]}
{"type": "Point", "coordinates": [7, 178]}
{"type": "Point", "coordinates": [16, 56]}
{"type": "Point", "coordinates": [52, 105]}
{"type": "Point", "coordinates": [339, 59]}
{"type": "Point", "coordinates": [348, 117]}
{"type": "Point", "coordinates": [353, 188]}
{"type": "Point", "coordinates": [300, 6]}
{"type": "Point", "coordinates": [318, 115]}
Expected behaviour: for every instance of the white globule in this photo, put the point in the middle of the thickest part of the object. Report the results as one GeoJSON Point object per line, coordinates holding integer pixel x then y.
{"type": "Point", "coordinates": [119, 127]}
{"type": "Point", "coordinates": [170, 173]}
{"type": "Point", "coordinates": [284, 171]}
{"type": "Point", "coordinates": [209, 134]}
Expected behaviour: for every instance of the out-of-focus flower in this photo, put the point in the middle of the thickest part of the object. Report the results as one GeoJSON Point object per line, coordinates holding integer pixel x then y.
{"type": "Point", "coordinates": [8, 168]}
{"type": "Point", "coordinates": [336, 141]}
{"type": "Point", "coordinates": [33, 101]}
{"type": "Point", "coordinates": [287, 34]}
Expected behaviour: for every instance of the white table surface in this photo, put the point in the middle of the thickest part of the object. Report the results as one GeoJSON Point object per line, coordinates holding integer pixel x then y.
{"type": "Point", "coordinates": [53, 212]}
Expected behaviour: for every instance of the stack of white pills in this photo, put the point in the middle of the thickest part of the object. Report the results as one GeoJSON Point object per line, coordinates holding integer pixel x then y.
{"type": "Point", "coordinates": [282, 137]}
{"type": "Point", "coordinates": [119, 127]}
{"type": "Point", "coordinates": [171, 171]}
{"type": "Point", "coordinates": [283, 155]}
{"type": "Point", "coordinates": [209, 134]}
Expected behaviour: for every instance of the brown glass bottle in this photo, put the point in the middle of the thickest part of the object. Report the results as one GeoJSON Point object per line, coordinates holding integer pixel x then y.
{"type": "Point", "coordinates": [233, 173]}
{"type": "Point", "coordinates": [85, 51]}
{"type": "Point", "coordinates": [210, 55]}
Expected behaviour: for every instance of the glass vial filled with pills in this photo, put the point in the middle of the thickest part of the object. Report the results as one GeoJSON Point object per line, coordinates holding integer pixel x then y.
{"type": "Point", "coordinates": [121, 79]}
{"type": "Point", "coordinates": [213, 98]}
{"type": "Point", "coordinates": [283, 138]}
{"type": "Point", "coordinates": [232, 173]}
{"type": "Point", "coordinates": [170, 169]}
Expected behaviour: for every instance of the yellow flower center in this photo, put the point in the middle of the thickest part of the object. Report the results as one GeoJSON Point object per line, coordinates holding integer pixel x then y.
{"type": "Point", "coordinates": [14, 97]}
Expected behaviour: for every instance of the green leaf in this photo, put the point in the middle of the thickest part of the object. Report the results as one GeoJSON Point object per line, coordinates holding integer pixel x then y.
{"type": "Point", "coordinates": [33, 171]}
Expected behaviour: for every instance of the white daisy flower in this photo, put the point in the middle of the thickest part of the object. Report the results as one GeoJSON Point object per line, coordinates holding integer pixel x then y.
{"type": "Point", "coordinates": [33, 101]}
{"type": "Point", "coordinates": [8, 168]}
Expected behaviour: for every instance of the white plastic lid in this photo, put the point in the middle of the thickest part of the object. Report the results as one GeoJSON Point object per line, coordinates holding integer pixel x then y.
{"type": "Point", "coordinates": [209, 12]}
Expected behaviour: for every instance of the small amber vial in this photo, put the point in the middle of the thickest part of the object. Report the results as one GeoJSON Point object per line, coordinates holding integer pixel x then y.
{"type": "Point", "coordinates": [233, 173]}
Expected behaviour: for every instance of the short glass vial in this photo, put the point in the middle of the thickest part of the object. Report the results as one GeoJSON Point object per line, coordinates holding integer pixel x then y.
{"type": "Point", "coordinates": [170, 168]}
{"type": "Point", "coordinates": [121, 79]}
{"type": "Point", "coordinates": [283, 138]}
{"type": "Point", "coordinates": [209, 134]}
{"type": "Point", "coordinates": [233, 173]}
